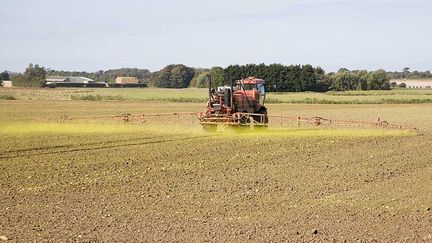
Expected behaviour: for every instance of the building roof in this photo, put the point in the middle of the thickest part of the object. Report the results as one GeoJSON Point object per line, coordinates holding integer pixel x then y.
{"type": "Point", "coordinates": [80, 80]}
{"type": "Point", "coordinates": [58, 79]}
{"type": "Point", "coordinates": [126, 80]}
{"type": "Point", "coordinates": [7, 83]}
{"type": "Point", "coordinates": [55, 79]}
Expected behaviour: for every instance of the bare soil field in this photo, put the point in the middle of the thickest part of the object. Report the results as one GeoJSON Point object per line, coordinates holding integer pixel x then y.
{"type": "Point", "coordinates": [112, 182]}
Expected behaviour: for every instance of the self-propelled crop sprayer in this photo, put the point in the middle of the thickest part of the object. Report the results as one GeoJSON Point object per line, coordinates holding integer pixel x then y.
{"type": "Point", "coordinates": [239, 104]}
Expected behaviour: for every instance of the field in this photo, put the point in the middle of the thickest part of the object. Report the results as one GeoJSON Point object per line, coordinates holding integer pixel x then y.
{"type": "Point", "coordinates": [398, 96]}
{"type": "Point", "coordinates": [108, 181]}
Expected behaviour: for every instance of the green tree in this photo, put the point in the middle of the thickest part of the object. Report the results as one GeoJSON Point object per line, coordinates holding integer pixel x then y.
{"type": "Point", "coordinates": [279, 77]}
{"type": "Point", "coordinates": [343, 80]}
{"type": "Point", "coordinates": [34, 76]}
{"type": "Point", "coordinates": [308, 77]}
{"type": "Point", "coordinates": [197, 79]}
{"type": "Point", "coordinates": [203, 79]}
{"type": "Point", "coordinates": [34, 73]}
{"type": "Point", "coordinates": [4, 76]}
{"type": "Point", "coordinates": [173, 76]}
{"type": "Point", "coordinates": [405, 72]}
{"type": "Point", "coordinates": [362, 77]}
{"type": "Point", "coordinates": [359, 80]}
{"type": "Point", "coordinates": [378, 80]}
{"type": "Point", "coordinates": [233, 72]}
{"type": "Point", "coordinates": [217, 76]}
{"type": "Point", "coordinates": [323, 82]}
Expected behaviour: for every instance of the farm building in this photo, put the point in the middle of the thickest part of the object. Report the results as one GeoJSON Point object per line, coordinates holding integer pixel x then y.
{"type": "Point", "coordinates": [126, 80]}
{"type": "Point", "coordinates": [7, 84]}
{"type": "Point", "coordinates": [55, 81]}
{"type": "Point", "coordinates": [414, 83]}
{"type": "Point", "coordinates": [80, 80]}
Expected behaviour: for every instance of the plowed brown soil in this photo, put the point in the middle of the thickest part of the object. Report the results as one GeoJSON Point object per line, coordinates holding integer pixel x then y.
{"type": "Point", "coordinates": [186, 186]}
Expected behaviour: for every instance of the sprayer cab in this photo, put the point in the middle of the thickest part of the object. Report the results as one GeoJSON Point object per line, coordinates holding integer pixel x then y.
{"type": "Point", "coordinates": [249, 95]}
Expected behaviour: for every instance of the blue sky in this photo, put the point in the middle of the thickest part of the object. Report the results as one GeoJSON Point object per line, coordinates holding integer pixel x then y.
{"type": "Point", "coordinates": [91, 35]}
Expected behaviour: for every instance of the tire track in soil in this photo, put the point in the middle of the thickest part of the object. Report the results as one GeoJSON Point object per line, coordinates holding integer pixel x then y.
{"type": "Point", "coordinates": [80, 148]}
{"type": "Point", "coordinates": [70, 145]}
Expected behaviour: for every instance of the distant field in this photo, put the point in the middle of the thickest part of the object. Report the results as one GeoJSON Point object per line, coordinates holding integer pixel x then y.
{"type": "Point", "coordinates": [398, 81]}
{"type": "Point", "coordinates": [398, 96]}
{"type": "Point", "coordinates": [416, 80]}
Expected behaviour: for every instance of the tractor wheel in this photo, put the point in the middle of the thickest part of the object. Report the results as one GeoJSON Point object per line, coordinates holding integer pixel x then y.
{"type": "Point", "coordinates": [263, 121]}
{"type": "Point", "coordinates": [263, 111]}
{"type": "Point", "coordinates": [244, 125]}
{"type": "Point", "coordinates": [244, 120]}
{"type": "Point", "coordinates": [258, 119]}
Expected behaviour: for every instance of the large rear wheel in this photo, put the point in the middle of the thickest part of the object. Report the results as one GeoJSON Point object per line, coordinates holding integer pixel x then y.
{"type": "Point", "coordinates": [262, 119]}
{"type": "Point", "coordinates": [245, 120]}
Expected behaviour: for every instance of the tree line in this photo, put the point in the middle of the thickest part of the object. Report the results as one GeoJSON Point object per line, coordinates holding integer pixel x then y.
{"type": "Point", "coordinates": [407, 74]}
{"type": "Point", "coordinates": [279, 78]}
{"type": "Point", "coordinates": [345, 79]}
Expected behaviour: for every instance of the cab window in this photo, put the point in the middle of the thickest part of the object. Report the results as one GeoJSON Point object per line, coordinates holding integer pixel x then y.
{"type": "Point", "coordinates": [261, 89]}
{"type": "Point", "coordinates": [250, 87]}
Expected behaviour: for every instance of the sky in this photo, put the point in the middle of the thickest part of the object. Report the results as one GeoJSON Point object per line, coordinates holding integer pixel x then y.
{"type": "Point", "coordinates": [91, 35]}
